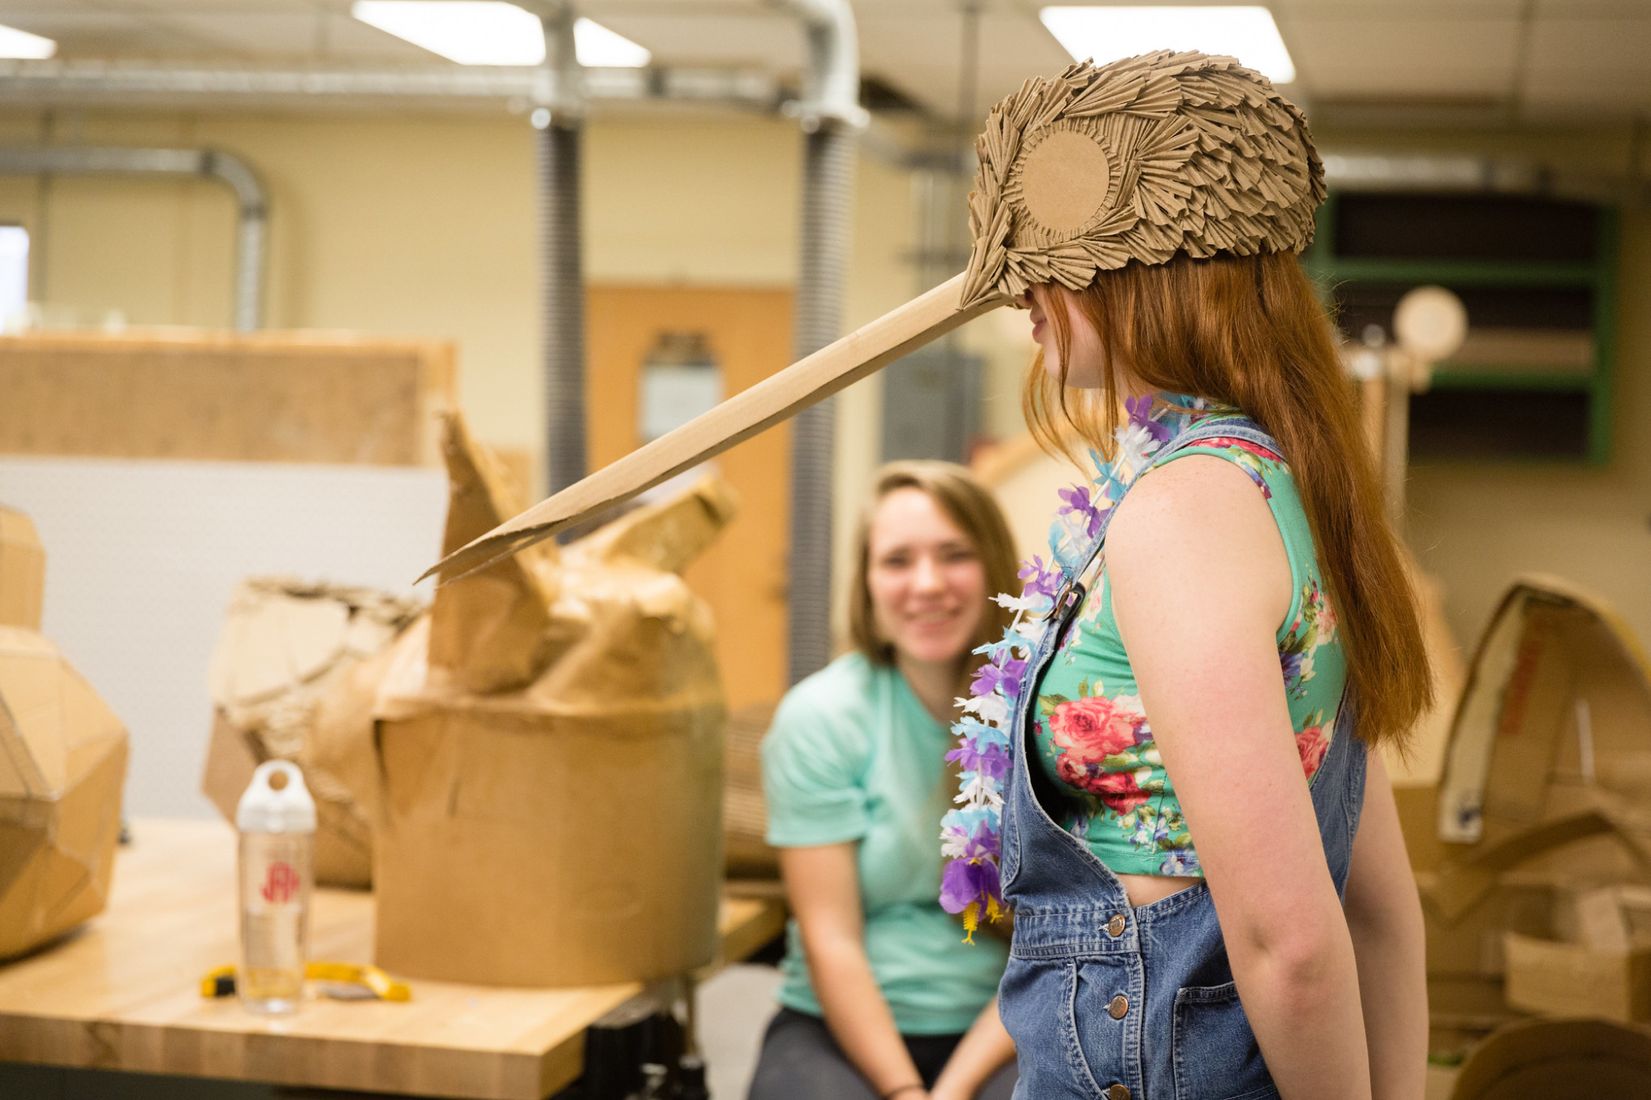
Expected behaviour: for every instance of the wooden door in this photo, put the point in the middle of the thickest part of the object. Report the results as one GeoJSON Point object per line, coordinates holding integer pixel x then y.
{"type": "Point", "coordinates": [742, 576]}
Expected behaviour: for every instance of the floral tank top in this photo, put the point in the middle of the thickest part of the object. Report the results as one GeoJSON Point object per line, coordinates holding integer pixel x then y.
{"type": "Point", "coordinates": [1093, 740]}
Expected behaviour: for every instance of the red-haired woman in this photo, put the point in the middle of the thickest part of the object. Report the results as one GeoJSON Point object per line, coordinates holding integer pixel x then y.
{"type": "Point", "coordinates": [1191, 713]}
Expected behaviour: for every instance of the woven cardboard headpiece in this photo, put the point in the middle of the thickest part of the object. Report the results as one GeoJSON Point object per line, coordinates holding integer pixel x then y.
{"type": "Point", "coordinates": [1139, 159]}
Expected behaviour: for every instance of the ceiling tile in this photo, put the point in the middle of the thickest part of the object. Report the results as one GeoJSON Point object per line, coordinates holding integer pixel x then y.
{"type": "Point", "coordinates": [716, 38]}
{"type": "Point", "coordinates": [1589, 46]}
{"type": "Point", "coordinates": [90, 34]}
{"type": "Point", "coordinates": [1455, 9]}
{"type": "Point", "coordinates": [1591, 9]}
{"type": "Point", "coordinates": [1430, 58]}
{"type": "Point", "coordinates": [312, 34]}
{"type": "Point", "coordinates": [921, 55]}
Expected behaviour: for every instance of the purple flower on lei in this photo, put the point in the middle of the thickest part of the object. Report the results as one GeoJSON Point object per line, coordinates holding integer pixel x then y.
{"type": "Point", "coordinates": [1140, 414]}
{"type": "Point", "coordinates": [1003, 678]}
{"type": "Point", "coordinates": [1076, 500]}
{"type": "Point", "coordinates": [991, 761]}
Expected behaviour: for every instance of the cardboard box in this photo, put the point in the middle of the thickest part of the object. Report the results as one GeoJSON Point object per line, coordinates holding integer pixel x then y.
{"type": "Point", "coordinates": [1552, 978]}
{"type": "Point", "coordinates": [22, 571]}
{"type": "Point", "coordinates": [1469, 943]}
{"type": "Point", "coordinates": [1596, 963]}
{"type": "Point", "coordinates": [62, 767]}
{"type": "Point", "coordinates": [567, 830]}
{"type": "Point", "coordinates": [287, 647]}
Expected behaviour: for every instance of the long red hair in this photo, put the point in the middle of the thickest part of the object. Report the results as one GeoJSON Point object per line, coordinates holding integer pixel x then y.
{"type": "Point", "coordinates": [1248, 331]}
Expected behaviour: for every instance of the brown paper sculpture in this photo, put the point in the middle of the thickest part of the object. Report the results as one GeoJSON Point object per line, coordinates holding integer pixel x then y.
{"type": "Point", "coordinates": [22, 571]}
{"type": "Point", "coordinates": [1141, 159]}
{"type": "Point", "coordinates": [548, 755]}
{"type": "Point", "coordinates": [62, 766]}
{"type": "Point", "coordinates": [288, 647]}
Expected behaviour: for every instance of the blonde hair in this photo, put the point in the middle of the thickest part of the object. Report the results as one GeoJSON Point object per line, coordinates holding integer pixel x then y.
{"type": "Point", "coordinates": [966, 503]}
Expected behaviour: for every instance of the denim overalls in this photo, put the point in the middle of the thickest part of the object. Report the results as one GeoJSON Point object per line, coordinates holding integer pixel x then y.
{"type": "Point", "coordinates": [1108, 1001]}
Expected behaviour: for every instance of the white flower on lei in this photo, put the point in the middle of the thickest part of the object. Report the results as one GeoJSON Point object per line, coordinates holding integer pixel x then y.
{"type": "Point", "coordinates": [980, 791]}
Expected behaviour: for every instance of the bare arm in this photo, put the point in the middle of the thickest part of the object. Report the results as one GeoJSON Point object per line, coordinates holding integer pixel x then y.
{"type": "Point", "coordinates": [823, 887]}
{"type": "Point", "coordinates": [1200, 582]}
{"type": "Point", "coordinates": [984, 1049]}
{"type": "Point", "coordinates": [1384, 916]}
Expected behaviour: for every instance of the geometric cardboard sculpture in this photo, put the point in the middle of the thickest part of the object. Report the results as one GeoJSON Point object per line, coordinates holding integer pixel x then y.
{"type": "Point", "coordinates": [547, 804]}
{"type": "Point", "coordinates": [1545, 796]}
{"type": "Point", "coordinates": [286, 647]}
{"type": "Point", "coordinates": [22, 571]}
{"type": "Point", "coordinates": [1555, 723]}
{"type": "Point", "coordinates": [62, 766]}
{"type": "Point", "coordinates": [1139, 160]}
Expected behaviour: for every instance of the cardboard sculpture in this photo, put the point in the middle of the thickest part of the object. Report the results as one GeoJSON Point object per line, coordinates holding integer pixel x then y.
{"type": "Point", "coordinates": [288, 646]}
{"type": "Point", "coordinates": [62, 766]}
{"type": "Point", "coordinates": [547, 755]}
{"type": "Point", "coordinates": [22, 571]}
{"type": "Point", "coordinates": [1544, 800]}
{"type": "Point", "coordinates": [1140, 159]}
{"type": "Point", "coordinates": [1557, 1058]}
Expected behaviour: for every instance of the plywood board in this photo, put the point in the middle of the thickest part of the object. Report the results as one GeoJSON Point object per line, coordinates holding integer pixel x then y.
{"type": "Point", "coordinates": [263, 397]}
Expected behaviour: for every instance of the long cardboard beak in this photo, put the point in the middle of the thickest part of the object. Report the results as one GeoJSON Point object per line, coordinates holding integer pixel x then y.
{"type": "Point", "coordinates": [776, 398]}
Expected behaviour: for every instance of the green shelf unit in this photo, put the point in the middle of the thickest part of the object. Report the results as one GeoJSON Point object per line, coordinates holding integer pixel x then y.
{"type": "Point", "coordinates": [1447, 377]}
{"type": "Point", "coordinates": [1466, 273]}
{"type": "Point", "coordinates": [1578, 283]}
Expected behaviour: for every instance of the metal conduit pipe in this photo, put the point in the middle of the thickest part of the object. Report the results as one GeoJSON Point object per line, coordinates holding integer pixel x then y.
{"type": "Point", "coordinates": [558, 115]}
{"type": "Point", "coordinates": [252, 207]}
{"type": "Point", "coordinates": [57, 82]}
{"type": "Point", "coordinates": [830, 114]}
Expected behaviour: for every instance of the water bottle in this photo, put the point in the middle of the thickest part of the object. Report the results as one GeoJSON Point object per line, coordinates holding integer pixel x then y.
{"type": "Point", "coordinates": [276, 818]}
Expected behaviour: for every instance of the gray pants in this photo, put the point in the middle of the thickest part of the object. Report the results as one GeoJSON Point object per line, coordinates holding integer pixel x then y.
{"type": "Point", "coordinates": [801, 1061]}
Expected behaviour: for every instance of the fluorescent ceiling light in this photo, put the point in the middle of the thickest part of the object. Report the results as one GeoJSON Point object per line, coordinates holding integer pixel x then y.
{"type": "Point", "coordinates": [601, 48]}
{"type": "Point", "coordinates": [21, 44]}
{"type": "Point", "coordinates": [1107, 34]}
{"type": "Point", "coordinates": [490, 32]}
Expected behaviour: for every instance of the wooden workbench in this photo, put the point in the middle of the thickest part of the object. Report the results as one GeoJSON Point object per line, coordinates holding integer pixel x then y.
{"type": "Point", "coordinates": [123, 993]}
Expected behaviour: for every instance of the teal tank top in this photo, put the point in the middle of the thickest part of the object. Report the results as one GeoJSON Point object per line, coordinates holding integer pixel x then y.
{"type": "Point", "coordinates": [1094, 742]}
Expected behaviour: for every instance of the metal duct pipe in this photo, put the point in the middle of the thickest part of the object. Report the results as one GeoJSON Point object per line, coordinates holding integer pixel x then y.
{"type": "Point", "coordinates": [67, 82]}
{"type": "Point", "coordinates": [559, 116]}
{"type": "Point", "coordinates": [830, 114]}
{"type": "Point", "coordinates": [252, 206]}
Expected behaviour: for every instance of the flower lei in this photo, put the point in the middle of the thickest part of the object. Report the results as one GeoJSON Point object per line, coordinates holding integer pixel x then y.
{"type": "Point", "coordinates": [971, 834]}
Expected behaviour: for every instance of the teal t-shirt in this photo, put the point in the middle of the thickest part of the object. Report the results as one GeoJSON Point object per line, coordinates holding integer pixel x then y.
{"type": "Point", "coordinates": [853, 756]}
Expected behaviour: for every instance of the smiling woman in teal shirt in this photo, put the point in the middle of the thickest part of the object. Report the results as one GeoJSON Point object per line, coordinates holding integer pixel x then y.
{"type": "Point", "coordinates": [881, 997]}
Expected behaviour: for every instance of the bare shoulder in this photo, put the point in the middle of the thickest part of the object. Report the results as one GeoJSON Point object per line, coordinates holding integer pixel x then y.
{"type": "Point", "coordinates": [1198, 522]}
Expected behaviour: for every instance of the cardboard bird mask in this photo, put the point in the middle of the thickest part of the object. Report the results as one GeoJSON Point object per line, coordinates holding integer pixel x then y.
{"type": "Point", "coordinates": [1138, 160]}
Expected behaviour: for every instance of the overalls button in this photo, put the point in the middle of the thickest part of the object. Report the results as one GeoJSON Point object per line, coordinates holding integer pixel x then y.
{"type": "Point", "coordinates": [1118, 1092]}
{"type": "Point", "coordinates": [1115, 928]}
{"type": "Point", "coordinates": [1118, 1007]}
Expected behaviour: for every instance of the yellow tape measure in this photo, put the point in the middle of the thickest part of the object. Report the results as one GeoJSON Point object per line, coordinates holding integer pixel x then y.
{"type": "Point", "coordinates": [221, 982]}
